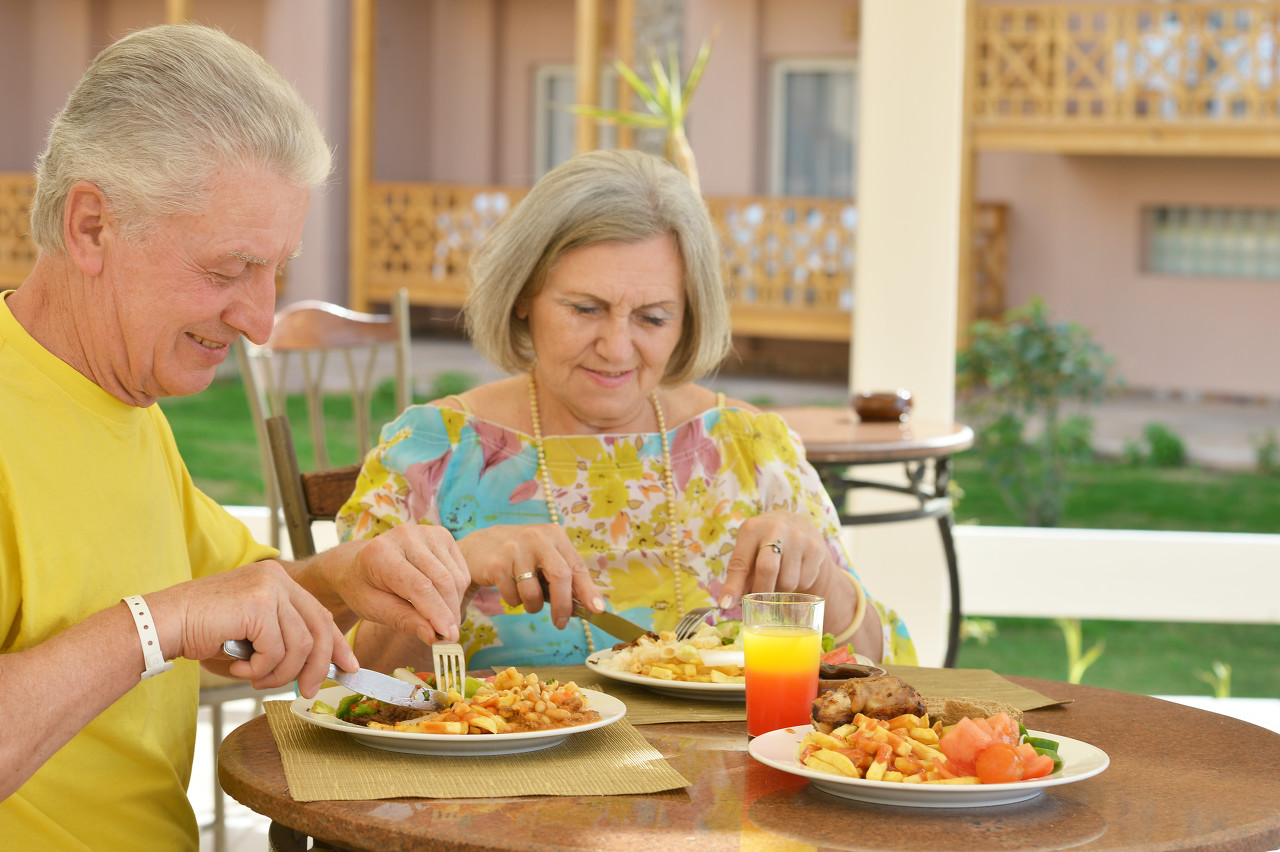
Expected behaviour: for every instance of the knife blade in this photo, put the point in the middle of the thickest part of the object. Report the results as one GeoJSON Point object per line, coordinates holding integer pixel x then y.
{"type": "Point", "coordinates": [614, 625]}
{"type": "Point", "coordinates": [365, 681]}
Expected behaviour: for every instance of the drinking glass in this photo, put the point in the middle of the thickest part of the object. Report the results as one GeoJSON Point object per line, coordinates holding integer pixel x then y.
{"type": "Point", "coordinates": [782, 640]}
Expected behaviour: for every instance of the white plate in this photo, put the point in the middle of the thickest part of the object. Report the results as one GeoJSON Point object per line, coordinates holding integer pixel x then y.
{"type": "Point", "coordinates": [1079, 761]}
{"type": "Point", "coordinates": [678, 688]}
{"type": "Point", "coordinates": [609, 708]}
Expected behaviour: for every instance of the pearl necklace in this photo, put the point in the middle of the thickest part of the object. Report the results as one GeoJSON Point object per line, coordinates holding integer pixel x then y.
{"type": "Point", "coordinates": [673, 550]}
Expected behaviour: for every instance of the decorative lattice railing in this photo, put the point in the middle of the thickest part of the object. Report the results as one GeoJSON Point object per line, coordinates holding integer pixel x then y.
{"type": "Point", "coordinates": [17, 252]}
{"type": "Point", "coordinates": [1178, 77]}
{"type": "Point", "coordinates": [789, 261]}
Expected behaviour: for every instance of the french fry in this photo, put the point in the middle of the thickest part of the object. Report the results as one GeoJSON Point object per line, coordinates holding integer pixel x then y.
{"type": "Point", "coordinates": [833, 762]}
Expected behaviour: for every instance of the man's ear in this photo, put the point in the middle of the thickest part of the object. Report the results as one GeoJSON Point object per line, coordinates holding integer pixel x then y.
{"type": "Point", "coordinates": [84, 225]}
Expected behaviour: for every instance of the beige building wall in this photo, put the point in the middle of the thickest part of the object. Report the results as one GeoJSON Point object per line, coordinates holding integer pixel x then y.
{"type": "Point", "coordinates": [454, 103]}
{"type": "Point", "coordinates": [1076, 239]}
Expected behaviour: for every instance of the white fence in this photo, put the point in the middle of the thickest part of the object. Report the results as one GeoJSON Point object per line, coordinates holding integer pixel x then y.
{"type": "Point", "coordinates": [1119, 574]}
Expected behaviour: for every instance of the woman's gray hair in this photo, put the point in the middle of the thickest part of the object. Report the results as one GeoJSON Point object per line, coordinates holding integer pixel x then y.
{"type": "Point", "coordinates": [598, 197]}
{"type": "Point", "coordinates": [157, 113]}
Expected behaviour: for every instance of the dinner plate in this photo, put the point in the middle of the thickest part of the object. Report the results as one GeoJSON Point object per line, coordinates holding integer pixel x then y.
{"type": "Point", "coordinates": [1079, 761]}
{"type": "Point", "coordinates": [609, 708]}
{"type": "Point", "coordinates": [677, 688]}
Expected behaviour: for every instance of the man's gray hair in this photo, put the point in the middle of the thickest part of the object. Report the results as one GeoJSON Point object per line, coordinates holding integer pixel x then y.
{"type": "Point", "coordinates": [157, 113]}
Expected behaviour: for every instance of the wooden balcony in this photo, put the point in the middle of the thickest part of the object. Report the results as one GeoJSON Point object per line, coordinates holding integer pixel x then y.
{"type": "Point", "coordinates": [17, 252]}
{"type": "Point", "coordinates": [789, 261]}
{"type": "Point", "coordinates": [1152, 78]}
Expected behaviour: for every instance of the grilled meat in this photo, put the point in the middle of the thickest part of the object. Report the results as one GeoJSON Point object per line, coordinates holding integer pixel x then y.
{"type": "Point", "coordinates": [881, 697]}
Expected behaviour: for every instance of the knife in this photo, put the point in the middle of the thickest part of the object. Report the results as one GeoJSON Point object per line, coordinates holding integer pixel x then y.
{"type": "Point", "coordinates": [365, 681]}
{"type": "Point", "coordinates": [614, 625]}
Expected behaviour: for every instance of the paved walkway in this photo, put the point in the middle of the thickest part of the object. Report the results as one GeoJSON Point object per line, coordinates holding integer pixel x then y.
{"type": "Point", "coordinates": [1217, 433]}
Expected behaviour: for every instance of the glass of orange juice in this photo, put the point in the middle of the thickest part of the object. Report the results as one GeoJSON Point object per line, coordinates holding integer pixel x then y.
{"type": "Point", "coordinates": [782, 641]}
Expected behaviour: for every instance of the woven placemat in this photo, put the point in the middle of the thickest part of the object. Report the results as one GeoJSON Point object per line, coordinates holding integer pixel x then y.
{"type": "Point", "coordinates": [971, 683]}
{"type": "Point", "coordinates": [322, 764]}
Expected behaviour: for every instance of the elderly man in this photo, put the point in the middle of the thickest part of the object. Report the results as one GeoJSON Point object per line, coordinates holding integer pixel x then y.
{"type": "Point", "coordinates": [174, 184]}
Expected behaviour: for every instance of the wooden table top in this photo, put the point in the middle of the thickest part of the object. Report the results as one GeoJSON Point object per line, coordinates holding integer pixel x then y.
{"type": "Point", "coordinates": [836, 435]}
{"type": "Point", "coordinates": [1180, 778]}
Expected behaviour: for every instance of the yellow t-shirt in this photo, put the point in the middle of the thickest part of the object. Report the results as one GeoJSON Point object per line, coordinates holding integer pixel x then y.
{"type": "Point", "coordinates": [96, 504]}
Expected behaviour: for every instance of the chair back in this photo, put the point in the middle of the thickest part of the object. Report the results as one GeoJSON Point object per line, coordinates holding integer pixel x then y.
{"type": "Point", "coordinates": [305, 497]}
{"type": "Point", "coordinates": [308, 333]}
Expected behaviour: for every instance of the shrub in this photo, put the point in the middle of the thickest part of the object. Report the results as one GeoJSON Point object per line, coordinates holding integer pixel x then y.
{"type": "Point", "coordinates": [1166, 449]}
{"type": "Point", "coordinates": [1267, 449]}
{"type": "Point", "coordinates": [1020, 371]}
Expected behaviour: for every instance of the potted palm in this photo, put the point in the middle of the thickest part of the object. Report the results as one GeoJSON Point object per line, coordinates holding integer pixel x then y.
{"type": "Point", "coordinates": [667, 103]}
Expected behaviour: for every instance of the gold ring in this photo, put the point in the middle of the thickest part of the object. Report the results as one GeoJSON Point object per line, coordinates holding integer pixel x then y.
{"type": "Point", "coordinates": [776, 545]}
{"type": "Point", "coordinates": [527, 575]}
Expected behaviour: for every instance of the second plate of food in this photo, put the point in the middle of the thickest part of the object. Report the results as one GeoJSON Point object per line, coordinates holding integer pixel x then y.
{"type": "Point", "coordinates": [1079, 761]}
{"type": "Point", "coordinates": [598, 663]}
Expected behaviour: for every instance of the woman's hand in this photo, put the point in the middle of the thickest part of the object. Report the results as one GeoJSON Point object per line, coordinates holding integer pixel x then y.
{"type": "Point", "coordinates": [786, 552]}
{"type": "Point", "coordinates": [521, 561]}
{"type": "Point", "coordinates": [778, 552]}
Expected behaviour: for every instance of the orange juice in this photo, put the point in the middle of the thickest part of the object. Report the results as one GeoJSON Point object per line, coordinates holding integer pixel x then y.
{"type": "Point", "coordinates": [782, 676]}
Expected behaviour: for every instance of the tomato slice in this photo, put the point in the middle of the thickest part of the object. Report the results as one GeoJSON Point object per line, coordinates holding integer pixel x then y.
{"type": "Point", "coordinates": [836, 656]}
{"type": "Point", "coordinates": [1000, 763]}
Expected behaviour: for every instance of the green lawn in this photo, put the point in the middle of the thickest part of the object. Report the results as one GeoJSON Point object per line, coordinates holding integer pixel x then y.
{"type": "Point", "coordinates": [216, 436]}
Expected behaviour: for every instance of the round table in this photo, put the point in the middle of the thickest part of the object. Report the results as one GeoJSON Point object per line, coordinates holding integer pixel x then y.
{"type": "Point", "coordinates": [1180, 778]}
{"type": "Point", "coordinates": [836, 440]}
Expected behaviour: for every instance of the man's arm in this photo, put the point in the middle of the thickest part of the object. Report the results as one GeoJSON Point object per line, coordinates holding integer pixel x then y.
{"type": "Point", "coordinates": [412, 578]}
{"type": "Point", "coordinates": [294, 637]}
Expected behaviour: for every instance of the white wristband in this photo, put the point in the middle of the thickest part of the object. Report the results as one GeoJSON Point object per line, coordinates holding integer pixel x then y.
{"type": "Point", "coordinates": [151, 653]}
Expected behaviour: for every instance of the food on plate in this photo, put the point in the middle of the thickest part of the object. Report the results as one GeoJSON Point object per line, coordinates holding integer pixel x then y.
{"type": "Point", "coordinates": [912, 749]}
{"type": "Point", "coordinates": [511, 703]}
{"type": "Point", "coordinates": [669, 658]}
{"type": "Point", "coordinates": [878, 697]}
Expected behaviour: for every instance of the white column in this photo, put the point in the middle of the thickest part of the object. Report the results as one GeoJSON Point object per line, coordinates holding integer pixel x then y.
{"type": "Point", "coordinates": [912, 60]}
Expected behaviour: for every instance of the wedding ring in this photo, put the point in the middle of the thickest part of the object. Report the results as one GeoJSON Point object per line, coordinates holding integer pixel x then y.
{"type": "Point", "coordinates": [527, 575]}
{"type": "Point", "coordinates": [776, 545]}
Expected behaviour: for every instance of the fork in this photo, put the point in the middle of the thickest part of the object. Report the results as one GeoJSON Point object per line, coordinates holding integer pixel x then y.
{"type": "Point", "coordinates": [451, 667]}
{"type": "Point", "coordinates": [691, 620]}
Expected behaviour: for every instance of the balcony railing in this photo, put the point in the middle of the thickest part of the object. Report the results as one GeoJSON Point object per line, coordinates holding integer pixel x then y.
{"type": "Point", "coordinates": [789, 261]}
{"type": "Point", "coordinates": [17, 252]}
{"type": "Point", "coordinates": [1172, 77]}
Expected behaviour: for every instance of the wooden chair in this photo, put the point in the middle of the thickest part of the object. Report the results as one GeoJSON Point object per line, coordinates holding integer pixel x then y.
{"type": "Point", "coordinates": [312, 330]}
{"type": "Point", "coordinates": [305, 497]}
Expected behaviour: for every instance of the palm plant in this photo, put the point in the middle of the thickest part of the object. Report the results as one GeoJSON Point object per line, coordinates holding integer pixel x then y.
{"type": "Point", "coordinates": [667, 101]}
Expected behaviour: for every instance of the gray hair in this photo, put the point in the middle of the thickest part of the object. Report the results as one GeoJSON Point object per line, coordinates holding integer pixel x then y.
{"type": "Point", "coordinates": [157, 113]}
{"type": "Point", "coordinates": [597, 197]}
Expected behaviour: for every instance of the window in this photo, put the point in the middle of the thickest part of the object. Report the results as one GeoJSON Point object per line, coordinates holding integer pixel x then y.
{"type": "Point", "coordinates": [814, 128]}
{"type": "Point", "coordinates": [554, 89]}
{"type": "Point", "coordinates": [1218, 242]}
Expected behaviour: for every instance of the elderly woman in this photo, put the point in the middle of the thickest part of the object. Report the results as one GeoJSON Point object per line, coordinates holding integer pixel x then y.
{"type": "Point", "coordinates": [599, 469]}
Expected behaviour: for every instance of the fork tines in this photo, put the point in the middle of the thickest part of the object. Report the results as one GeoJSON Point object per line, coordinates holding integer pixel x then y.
{"type": "Point", "coordinates": [451, 668]}
{"type": "Point", "coordinates": [691, 620]}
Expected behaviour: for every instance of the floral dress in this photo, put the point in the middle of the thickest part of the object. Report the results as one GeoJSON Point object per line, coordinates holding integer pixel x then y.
{"type": "Point", "coordinates": [436, 465]}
